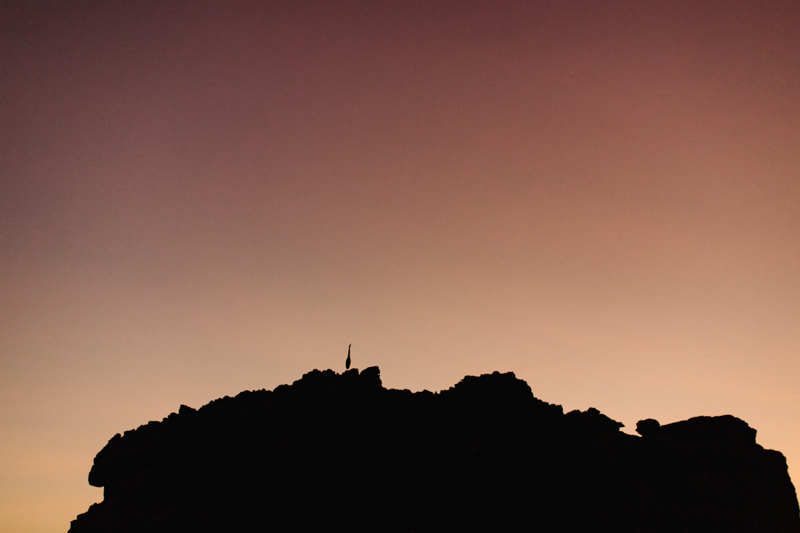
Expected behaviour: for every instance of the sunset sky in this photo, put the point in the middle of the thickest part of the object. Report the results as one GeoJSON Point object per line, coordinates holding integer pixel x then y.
{"type": "Point", "coordinates": [198, 198]}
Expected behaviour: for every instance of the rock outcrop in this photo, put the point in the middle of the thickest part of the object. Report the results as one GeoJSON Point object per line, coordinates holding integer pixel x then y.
{"type": "Point", "coordinates": [339, 451]}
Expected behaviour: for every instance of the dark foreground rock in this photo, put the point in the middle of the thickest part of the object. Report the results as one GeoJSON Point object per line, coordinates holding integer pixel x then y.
{"type": "Point", "coordinates": [339, 452]}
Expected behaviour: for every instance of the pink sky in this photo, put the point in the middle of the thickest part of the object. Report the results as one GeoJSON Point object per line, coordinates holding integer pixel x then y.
{"type": "Point", "coordinates": [602, 197]}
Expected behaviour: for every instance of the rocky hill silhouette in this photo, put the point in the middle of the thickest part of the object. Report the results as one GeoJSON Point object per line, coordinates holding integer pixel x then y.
{"type": "Point", "coordinates": [340, 452]}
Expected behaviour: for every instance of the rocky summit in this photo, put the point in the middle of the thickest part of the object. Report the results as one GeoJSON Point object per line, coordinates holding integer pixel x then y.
{"type": "Point", "coordinates": [340, 452]}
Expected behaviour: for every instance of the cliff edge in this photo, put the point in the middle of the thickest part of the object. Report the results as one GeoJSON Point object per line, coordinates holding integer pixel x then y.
{"type": "Point", "coordinates": [335, 451]}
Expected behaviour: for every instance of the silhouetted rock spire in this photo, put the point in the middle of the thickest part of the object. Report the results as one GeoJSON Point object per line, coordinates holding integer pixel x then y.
{"type": "Point", "coordinates": [347, 362]}
{"type": "Point", "coordinates": [339, 451]}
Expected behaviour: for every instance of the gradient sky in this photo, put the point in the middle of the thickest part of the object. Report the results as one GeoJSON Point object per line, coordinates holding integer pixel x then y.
{"type": "Point", "coordinates": [198, 198]}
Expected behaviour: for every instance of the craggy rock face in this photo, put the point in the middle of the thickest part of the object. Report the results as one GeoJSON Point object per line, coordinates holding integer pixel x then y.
{"type": "Point", "coordinates": [335, 451]}
{"type": "Point", "coordinates": [647, 427]}
{"type": "Point", "coordinates": [726, 430]}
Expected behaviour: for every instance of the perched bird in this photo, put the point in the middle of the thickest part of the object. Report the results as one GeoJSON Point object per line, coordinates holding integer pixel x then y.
{"type": "Point", "coordinates": [347, 363]}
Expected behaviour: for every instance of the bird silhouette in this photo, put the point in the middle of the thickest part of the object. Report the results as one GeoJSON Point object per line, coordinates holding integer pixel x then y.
{"type": "Point", "coordinates": [347, 363]}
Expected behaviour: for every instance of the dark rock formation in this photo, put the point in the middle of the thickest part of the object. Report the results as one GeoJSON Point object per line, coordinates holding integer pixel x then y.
{"type": "Point", "coordinates": [338, 451]}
